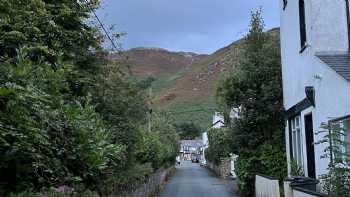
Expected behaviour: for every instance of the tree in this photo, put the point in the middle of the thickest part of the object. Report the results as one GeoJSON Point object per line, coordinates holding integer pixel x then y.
{"type": "Point", "coordinates": [219, 145]}
{"type": "Point", "coordinates": [255, 86]}
{"type": "Point", "coordinates": [337, 181]}
{"type": "Point", "coordinates": [68, 115]}
{"type": "Point", "coordinates": [188, 131]}
{"type": "Point", "coordinates": [53, 31]}
{"type": "Point", "coordinates": [160, 146]}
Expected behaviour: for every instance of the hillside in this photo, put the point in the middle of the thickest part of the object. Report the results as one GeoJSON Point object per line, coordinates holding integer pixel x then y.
{"type": "Point", "coordinates": [185, 83]}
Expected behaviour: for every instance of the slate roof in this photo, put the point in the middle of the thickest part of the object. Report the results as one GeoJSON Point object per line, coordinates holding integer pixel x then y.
{"type": "Point", "coordinates": [340, 62]}
{"type": "Point", "coordinates": [217, 122]}
{"type": "Point", "coordinates": [192, 143]}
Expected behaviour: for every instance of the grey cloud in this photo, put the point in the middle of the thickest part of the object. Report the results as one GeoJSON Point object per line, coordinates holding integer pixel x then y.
{"type": "Point", "coordinates": [201, 26]}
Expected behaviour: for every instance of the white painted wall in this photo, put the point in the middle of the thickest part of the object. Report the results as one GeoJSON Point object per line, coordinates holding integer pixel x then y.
{"type": "Point", "coordinates": [218, 117]}
{"type": "Point", "coordinates": [327, 24]}
{"type": "Point", "coordinates": [233, 160]}
{"type": "Point", "coordinates": [297, 193]}
{"type": "Point", "coordinates": [266, 187]}
{"type": "Point", "coordinates": [326, 31]}
{"type": "Point", "coordinates": [205, 139]}
{"type": "Point", "coordinates": [204, 147]}
{"type": "Point", "coordinates": [234, 113]}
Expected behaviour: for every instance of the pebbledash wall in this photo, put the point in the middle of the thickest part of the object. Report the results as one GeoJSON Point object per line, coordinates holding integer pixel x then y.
{"type": "Point", "coordinates": [326, 27]}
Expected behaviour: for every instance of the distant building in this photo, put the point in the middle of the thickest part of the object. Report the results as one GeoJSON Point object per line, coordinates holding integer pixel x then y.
{"type": "Point", "coordinates": [219, 123]}
{"type": "Point", "coordinates": [235, 113]}
{"type": "Point", "coordinates": [190, 148]}
{"type": "Point", "coordinates": [218, 120]}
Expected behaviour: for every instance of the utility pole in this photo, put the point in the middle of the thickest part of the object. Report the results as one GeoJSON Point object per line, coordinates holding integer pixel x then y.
{"type": "Point", "coordinates": [150, 110]}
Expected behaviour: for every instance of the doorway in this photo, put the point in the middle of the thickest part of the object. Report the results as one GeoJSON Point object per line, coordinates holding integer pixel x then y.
{"type": "Point", "coordinates": [310, 150]}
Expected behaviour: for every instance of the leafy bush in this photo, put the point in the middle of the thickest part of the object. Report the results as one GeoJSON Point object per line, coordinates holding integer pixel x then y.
{"type": "Point", "coordinates": [336, 183]}
{"type": "Point", "coordinates": [149, 149]}
{"type": "Point", "coordinates": [273, 161]}
{"type": "Point", "coordinates": [296, 169]}
{"type": "Point", "coordinates": [30, 110]}
{"type": "Point", "coordinates": [269, 160]}
{"type": "Point", "coordinates": [68, 114]}
{"type": "Point", "coordinates": [188, 131]}
{"type": "Point", "coordinates": [44, 139]}
{"type": "Point", "coordinates": [220, 145]}
{"type": "Point", "coordinates": [160, 146]}
{"type": "Point", "coordinates": [246, 167]}
{"type": "Point", "coordinates": [93, 148]}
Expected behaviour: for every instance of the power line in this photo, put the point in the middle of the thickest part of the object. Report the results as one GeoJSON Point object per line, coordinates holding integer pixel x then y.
{"type": "Point", "coordinates": [103, 27]}
{"type": "Point", "coordinates": [116, 47]}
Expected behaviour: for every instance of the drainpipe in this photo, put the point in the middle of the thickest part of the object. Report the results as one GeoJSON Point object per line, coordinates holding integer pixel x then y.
{"type": "Point", "coordinates": [348, 22]}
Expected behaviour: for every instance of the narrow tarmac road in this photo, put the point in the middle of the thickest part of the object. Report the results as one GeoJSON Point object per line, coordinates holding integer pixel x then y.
{"type": "Point", "coordinates": [192, 180]}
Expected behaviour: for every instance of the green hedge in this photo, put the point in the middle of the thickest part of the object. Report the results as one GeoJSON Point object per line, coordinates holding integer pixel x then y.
{"type": "Point", "coordinates": [220, 142]}
{"type": "Point", "coordinates": [68, 114]}
{"type": "Point", "coordinates": [267, 159]}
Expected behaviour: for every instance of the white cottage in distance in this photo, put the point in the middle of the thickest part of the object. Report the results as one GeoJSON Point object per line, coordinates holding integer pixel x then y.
{"type": "Point", "coordinates": [218, 122]}
{"type": "Point", "coordinates": [315, 43]}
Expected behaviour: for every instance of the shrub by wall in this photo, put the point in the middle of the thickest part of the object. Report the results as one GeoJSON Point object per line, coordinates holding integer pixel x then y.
{"type": "Point", "coordinates": [220, 142]}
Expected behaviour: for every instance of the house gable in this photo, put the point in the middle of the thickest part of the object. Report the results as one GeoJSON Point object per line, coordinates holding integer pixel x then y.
{"type": "Point", "coordinates": [339, 62]}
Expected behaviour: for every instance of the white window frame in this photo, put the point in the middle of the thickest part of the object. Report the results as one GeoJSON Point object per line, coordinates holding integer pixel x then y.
{"type": "Point", "coordinates": [297, 140]}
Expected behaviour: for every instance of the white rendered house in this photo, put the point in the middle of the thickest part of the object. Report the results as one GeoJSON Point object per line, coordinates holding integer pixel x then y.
{"type": "Point", "coordinates": [218, 122]}
{"type": "Point", "coordinates": [315, 42]}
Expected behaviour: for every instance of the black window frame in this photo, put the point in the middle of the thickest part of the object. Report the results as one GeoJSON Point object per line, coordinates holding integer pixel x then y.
{"type": "Point", "coordinates": [285, 3]}
{"type": "Point", "coordinates": [302, 25]}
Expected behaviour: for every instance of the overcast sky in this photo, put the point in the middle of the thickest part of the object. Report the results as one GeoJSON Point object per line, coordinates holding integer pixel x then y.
{"type": "Point", "coordinates": [200, 26]}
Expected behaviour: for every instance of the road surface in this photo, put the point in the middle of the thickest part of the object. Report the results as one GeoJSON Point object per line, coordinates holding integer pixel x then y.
{"type": "Point", "coordinates": [192, 180]}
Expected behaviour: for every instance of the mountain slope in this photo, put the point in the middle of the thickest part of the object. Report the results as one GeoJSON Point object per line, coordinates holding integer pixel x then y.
{"type": "Point", "coordinates": [185, 83]}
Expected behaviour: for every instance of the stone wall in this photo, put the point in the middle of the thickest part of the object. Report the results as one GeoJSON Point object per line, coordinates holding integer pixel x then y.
{"type": "Point", "coordinates": [222, 170]}
{"type": "Point", "coordinates": [154, 184]}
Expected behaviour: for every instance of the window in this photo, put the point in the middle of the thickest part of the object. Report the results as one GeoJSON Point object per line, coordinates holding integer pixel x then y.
{"type": "Point", "coordinates": [297, 142]}
{"type": "Point", "coordinates": [302, 24]}
{"type": "Point", "coordinates": [285, 2]}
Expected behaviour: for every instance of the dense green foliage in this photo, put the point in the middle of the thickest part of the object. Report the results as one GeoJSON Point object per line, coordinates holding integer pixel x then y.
{"type": "Point", "coordinates": [68, 115]}
{"type": "Point", "coordinates": [196, 110]}
{"type": "Point", "coordinates": [255, 87]}
{"type": "Point", "coordinates": [296, 169]}
{"type": "Point", "coordinates": [188, 130]}
{"type": "Point", "coordinates": [220, 145]}
{"type": "Point", "coordinates": [337, 180]}
{"type": "Point", "coordinates": [161, 144]}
